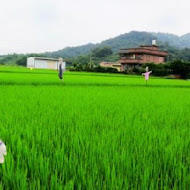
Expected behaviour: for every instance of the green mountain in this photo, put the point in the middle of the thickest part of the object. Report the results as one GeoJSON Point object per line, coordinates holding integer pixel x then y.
{"type": "Point", "coordinates": [174, 40]}
{"type": "Point", "coordinates": [177, 46]}
{"type": "Point", "coordinates": [128, 40]}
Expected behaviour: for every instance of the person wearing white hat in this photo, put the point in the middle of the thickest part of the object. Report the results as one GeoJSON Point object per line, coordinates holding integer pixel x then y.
{"type": "Point", "coordinates": [3, 151]}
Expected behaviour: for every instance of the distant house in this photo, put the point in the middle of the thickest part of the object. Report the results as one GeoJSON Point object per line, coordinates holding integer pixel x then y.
{"type": "Point", "coordinates": [111, 65]}
{"type": "Point", "coordinates": [42, 63]}
{"type": "Point", "coordinates": [135, 57]}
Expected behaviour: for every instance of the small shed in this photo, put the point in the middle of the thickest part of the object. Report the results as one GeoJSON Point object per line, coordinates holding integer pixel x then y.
{"type": "Point", "coordinates": [42, 63]}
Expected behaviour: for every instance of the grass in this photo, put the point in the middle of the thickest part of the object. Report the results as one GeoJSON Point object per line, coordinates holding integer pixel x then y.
{"type": "Point", "coordinates": [94, 131]}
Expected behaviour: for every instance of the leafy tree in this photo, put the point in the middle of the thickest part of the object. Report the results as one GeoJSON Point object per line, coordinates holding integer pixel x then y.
{"type": "Point", "coordinates": [102, 52]}
{"type": "Point", "coordinates": [180, 68]}
{"type": "Point", "coordinates": [22, 60]}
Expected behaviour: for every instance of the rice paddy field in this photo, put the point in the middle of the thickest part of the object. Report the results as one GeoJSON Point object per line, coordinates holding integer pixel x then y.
{"type": "Point", "coordinates": [93, 131]}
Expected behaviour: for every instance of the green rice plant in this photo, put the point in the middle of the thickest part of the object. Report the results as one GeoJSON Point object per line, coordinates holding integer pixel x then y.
{"type": "Point", "coordinates": [93, 131]}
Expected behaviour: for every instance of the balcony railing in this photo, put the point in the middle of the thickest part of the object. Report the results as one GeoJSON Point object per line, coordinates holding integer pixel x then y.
{"type": "Point", "coordinates": [143, 51]}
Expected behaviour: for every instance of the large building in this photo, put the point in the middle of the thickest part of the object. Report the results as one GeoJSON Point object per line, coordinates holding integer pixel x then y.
{"type": "Point", "coordinates": [42, 63]}
{"type": "Point", "coordinates": [135, 57]}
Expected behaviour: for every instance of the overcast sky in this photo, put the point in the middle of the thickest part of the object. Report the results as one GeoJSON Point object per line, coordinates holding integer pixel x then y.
{"type": "Point", "coordinates": [47, 25]}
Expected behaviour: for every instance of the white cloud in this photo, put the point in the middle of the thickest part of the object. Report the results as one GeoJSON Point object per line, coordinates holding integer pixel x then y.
{"type": "Point", "coordinates": [47, 25]}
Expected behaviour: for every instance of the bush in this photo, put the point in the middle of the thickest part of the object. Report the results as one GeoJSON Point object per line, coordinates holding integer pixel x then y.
{"type": "Point", "coordinates": [95, 69]}
{"type": "Point", "coordinates": [158, 69]}
{"type": "Point", "coordinates": [105, 69]}
{"type": "Point", "coordinates": [22, 60]}
{"type": "Point", "coordinates": [177, 68]}
{"type": "Point", "coordinates": [180, 68]}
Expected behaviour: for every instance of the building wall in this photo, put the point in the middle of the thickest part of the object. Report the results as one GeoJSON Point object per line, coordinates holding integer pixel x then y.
{"type": "Point", "coordinates": [106, 64]}
{"type": "Point", "coordinates": [117, 67]}
{"type": "Point", "coordinates": [151, 58]}
{"type": "Point", "coordinates": [111, 65]}
{"type": "Point", "coordinates": [155, 48]}
{"type": "Point", "coordinates": [30, 62]}
{"type": "Point", "coordinates": [52, 64]}
{"type": "Point", "coordinates": [122, 67]}
{"type": "Point", "coordinates": [42, 64]}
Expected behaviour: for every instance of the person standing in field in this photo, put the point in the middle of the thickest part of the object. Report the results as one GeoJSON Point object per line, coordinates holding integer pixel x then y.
{"type": "Point", "coordinates": [60, 68]}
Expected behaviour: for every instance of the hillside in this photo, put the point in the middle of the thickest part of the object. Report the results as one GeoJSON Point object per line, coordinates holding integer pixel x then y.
{"type": "Point", "coordinates": [178, 48]}
{"type": "Point", "coordinates": [127, 40]}
{"type": "Point", "coordinates": [174, 40]}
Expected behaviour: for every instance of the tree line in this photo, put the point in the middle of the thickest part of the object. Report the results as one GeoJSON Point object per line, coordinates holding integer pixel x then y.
{"type": "Point", "coordinates": [179, 62]}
